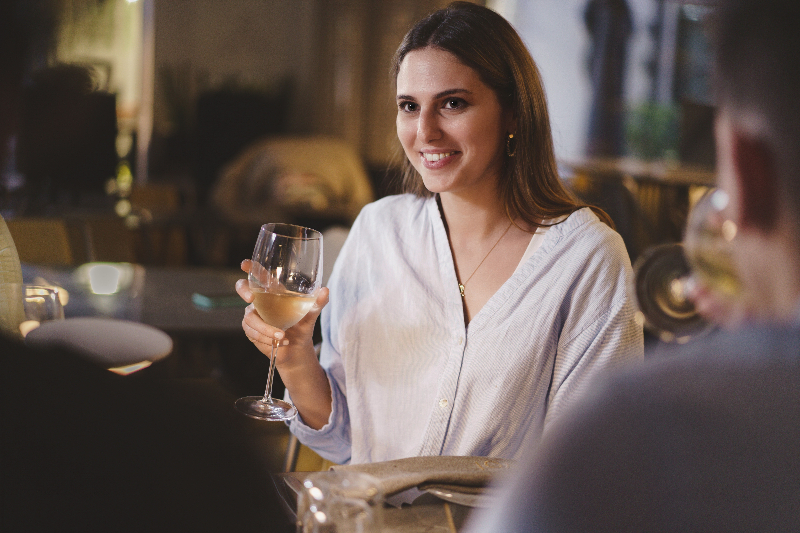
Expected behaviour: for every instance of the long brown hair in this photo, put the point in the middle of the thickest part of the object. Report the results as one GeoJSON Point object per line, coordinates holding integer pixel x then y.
{"type": "Point", "coordinates": [530, 186]}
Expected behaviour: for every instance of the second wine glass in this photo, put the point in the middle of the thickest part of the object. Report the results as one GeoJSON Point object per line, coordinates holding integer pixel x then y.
{"type": "Point", "coordinates": [285, 277]}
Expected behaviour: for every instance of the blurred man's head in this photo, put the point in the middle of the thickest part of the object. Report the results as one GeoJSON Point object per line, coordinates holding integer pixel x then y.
{"type": "Point", "coordinates": [757, 73]}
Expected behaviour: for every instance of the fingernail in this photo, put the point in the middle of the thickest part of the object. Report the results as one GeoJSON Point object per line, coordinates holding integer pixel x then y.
{"type": "Point", "coordinates": [278, 335]}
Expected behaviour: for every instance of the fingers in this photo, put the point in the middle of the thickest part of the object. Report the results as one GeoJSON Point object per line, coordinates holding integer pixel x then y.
{"type": "Point", "coordinates": [243, 290]}
{"type": "Point", "coordinates": [246, 265]}
{"type": "Point", "coordinates": [262, 335]}
{"type": "Point", "coordinates": [259, 332]}
{"type": "Point", "coordinates": [713, 307]}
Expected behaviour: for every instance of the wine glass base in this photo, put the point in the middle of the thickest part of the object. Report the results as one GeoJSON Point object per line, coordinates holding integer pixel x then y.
{"type": "Point", "coordinates": [256, 407]}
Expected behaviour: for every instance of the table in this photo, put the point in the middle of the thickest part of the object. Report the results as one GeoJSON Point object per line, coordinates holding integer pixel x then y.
{"type": "Point", "coordinates": [160, 297]}
{"type": "Point", "coordinates": [207, 342]}
{"type": "Point", "coordinates": [427, 514]}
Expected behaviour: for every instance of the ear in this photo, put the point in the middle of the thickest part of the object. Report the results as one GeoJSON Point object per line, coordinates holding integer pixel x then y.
{"type": "Point", "coordinates": [754, 166]}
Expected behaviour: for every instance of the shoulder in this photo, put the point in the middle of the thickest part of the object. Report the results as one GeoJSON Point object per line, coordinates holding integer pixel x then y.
{"type": "Point", "coordinates": [394, 208]}
{"type": "Point", "coordinates": [584, 228]}
{"type": "Point", "coordinates": [394, 214]}
{"type": "Point", "coordinates": [715, 413]}
{"type": "Point", "coordinates": [736, 378]}
{"type": "Point", "coordinates": [589, 250]}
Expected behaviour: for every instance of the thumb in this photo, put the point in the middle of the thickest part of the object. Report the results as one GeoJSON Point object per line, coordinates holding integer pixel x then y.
{"type": "Point", "coordinates": [316, 309]}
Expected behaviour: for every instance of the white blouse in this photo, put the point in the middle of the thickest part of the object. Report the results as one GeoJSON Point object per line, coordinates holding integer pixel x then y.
{"type": "Point", "coordinates": [408, 378]}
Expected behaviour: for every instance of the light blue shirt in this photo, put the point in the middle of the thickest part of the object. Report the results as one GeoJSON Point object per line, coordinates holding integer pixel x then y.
{"type": "Point", "coordinates": [408, 378]}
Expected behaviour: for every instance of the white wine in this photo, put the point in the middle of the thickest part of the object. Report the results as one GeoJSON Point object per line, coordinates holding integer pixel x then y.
{"type": "Point", "coordinates": [714, 268]}
{"type": "Point", "coordinates": [282, 310]}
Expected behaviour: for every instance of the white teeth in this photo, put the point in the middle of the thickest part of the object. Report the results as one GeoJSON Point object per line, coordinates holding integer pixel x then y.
{"type": "Point", "coordinates": [436, 157]}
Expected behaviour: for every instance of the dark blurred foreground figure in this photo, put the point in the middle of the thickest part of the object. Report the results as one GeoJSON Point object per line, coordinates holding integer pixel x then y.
{"type": "Point", "coordinates": [708, 438]}
{"type": "Point", "coordinates": [84, 449]}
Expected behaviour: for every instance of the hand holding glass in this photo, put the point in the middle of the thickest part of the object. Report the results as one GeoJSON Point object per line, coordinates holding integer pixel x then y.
{"type": "Point", "coordinates": [285, 277]}
{"type": "Point", "coordinates": [665, 274]}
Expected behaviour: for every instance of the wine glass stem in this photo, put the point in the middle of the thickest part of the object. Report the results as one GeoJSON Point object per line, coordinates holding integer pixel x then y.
{"type": "Point", "coordinates": [268, 391]}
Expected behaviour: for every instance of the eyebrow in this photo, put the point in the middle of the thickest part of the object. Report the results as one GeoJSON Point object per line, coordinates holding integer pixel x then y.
{"type": "Point", "coordinates": [442, 94]}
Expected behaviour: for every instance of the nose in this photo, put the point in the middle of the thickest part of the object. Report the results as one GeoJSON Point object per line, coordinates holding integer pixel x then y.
{"type": "Point", "coordinates": [428, 127]}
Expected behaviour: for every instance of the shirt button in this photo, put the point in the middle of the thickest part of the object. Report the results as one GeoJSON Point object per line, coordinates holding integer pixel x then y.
{"type": "Point", "coordinates": [442, 403]}
{"type": "Point", "coordinates": [460, 340]}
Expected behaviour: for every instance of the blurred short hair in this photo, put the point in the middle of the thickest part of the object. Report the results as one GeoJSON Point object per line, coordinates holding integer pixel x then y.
{"type": "Point", "coordinates": [757, 77]}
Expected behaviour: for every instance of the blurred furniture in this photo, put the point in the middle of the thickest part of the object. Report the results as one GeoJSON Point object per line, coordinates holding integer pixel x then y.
{"type": "Point", "coordinates": [158, 296]}
{"type": "Point", "coordinates": [81, 236]}
{"type": "Point", "coordinates": [10, 273]}
{"type": "Point", "coordinates": [162, 237]}
{"type": "Point", "coordinates": [648, 200]}
{"type": "Point", "coordinates": [311, 177]}
{"type": "Point", "coordinates": [311, 181]}
{"type": "Point", "coordinates": [67, 135]}
{"type": "Point", "coordinates": [42, 240]}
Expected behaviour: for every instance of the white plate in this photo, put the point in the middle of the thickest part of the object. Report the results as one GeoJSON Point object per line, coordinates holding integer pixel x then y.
{"type": "Point", "coordinates": [108, 342]}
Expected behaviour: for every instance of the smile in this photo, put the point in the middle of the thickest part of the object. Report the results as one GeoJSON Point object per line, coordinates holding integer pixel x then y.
{"type": "Point", "coordinates": [436, 157]}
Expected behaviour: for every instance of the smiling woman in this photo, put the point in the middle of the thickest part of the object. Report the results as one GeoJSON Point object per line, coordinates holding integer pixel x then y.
{"type": "Point", "coordinates": [468, 312]}
{"type": "Point", "coordinates": [451, 125]}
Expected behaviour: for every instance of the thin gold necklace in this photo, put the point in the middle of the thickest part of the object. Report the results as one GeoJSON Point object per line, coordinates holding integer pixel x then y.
{"type": "Point", "coordinates": [462, 286]}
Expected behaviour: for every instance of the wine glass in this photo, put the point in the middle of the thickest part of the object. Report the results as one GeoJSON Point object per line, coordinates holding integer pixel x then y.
{"type": "Point", "coordinates": [285, 277]}
{"type": "Point", "coordinates": [709, 243]}
{"type": "Point", "coordinates": [664, 274]}
{"type": "Point", "coordinates": [27, 306]}
{"type": "Point", "coordinates": [340, 502]}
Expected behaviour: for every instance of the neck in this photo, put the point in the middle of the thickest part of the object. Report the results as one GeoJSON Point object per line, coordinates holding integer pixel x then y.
{"type": "Point", "coordinates": [474, 217]}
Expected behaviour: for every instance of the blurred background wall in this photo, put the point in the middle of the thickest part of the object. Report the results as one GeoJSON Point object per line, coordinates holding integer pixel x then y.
{"type": "Point", "coordinates": [198, 81]}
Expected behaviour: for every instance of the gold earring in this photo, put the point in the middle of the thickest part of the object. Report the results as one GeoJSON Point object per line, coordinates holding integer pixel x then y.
{"type": "Point", "coordinates": [509, 151]}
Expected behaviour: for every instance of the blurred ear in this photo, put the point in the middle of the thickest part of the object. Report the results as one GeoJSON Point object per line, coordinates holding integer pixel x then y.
{"type": "Point", "coordinates": [754, 166]}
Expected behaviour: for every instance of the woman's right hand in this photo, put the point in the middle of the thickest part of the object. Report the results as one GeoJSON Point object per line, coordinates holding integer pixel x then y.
{"type": "Point", "coordinates": [262, 335]}
{"type": "Point", "coordinates": [296, 361]}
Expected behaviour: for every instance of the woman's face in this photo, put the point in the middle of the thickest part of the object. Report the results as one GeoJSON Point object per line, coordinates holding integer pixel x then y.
{"type": "Point", "coordinates": [451, 124]}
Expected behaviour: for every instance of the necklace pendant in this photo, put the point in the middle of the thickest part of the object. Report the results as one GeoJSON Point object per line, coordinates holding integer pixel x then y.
{"type": "Point", "coordinates": [461, 288]}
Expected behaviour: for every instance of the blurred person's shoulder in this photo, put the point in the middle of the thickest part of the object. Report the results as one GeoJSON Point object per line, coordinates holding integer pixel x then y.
{"type": "Point", "coordinates": [753, 357]}
{"type": "Point", "coordinates": [706, 434]}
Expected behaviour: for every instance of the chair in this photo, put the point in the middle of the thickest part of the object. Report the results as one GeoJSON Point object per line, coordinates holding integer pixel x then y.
{"type": "Point", "coordinates": [163, 237]}
{"type": "Point", "coordinates": [10, 272]}
{"type": "Point", "coordinates": [301, 458]}
{"type": "Point", "coordinates": [311, 181]}
{"type": "Point", "coordinates": [43, 240]}
{"type": "Point", "coordinates": [107, 239]}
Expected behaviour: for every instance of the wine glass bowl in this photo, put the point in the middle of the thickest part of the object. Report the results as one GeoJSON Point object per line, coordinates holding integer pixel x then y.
{"type": "Point", "coordinates": [30, 305]}
{"type": "Point", "coordinates": [661, 278]}
{"type": "Point", "coordinates": [285, 276]}
{"type": "Point", "coordinates": [664, 273]}
{"type": "Point", "coordinates": [709, 242]}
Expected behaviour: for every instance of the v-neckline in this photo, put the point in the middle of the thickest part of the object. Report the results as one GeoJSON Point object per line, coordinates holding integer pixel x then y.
{"type": "Point", "coordinates": [452, 292]}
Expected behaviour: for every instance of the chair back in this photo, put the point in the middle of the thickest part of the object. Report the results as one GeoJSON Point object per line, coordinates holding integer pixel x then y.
{"type": "Point", "coordinates": [42, 240]}
{"type": "Point", "coordinates": [11, 311]}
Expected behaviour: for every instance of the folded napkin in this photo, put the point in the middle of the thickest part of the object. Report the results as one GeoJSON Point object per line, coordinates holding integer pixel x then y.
{"type": "Point", "coordinates": [463, 473]}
